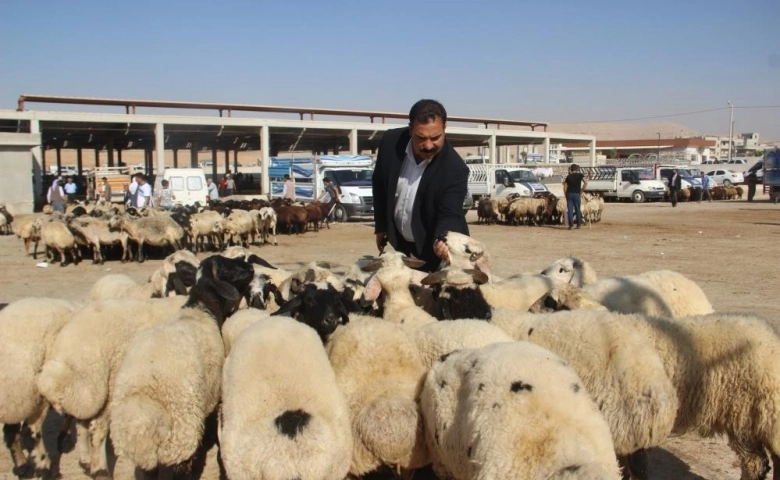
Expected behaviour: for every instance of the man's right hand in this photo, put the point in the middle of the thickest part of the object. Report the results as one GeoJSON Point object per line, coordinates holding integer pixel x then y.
{"type": "Point", "coordinates": [381, 242]}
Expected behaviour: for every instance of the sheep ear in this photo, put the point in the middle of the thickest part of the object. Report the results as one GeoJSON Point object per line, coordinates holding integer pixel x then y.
{"type": "Point", "coordinates": [576, 263]}
{"type": "Point", "coordinates": [479, 277]}
{"type": "Point", "coordinates": [178, 284]}
{"type": "Point", "coordinates": [284, 288]}
{"type": "Point", "coordinates": [227, 291]}
{"type": "Point", "coordinates": [289, 308]}
{"type": "Point", "coordinates": [259, 261]}
{"type": "Point", "coordinates": [412, 262]}
{"type": "Point", "coordinates": [434, 278]}
{"type": "Point", "coordinates": [373, 266]}
{"type": "Point", "coordinates": [372, 290]}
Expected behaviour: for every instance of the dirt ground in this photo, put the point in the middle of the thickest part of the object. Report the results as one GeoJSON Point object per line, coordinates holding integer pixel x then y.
{"type": "Point", "coordinates": [724, 246]}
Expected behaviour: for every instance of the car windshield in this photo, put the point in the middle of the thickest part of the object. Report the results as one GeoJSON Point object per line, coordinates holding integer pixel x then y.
{"type": "Point", "coordinates": [523, 176]}
{"type": "Point", "coordinates": [644, 173]}
{"type": "Point", "coordinates": [350, 178]}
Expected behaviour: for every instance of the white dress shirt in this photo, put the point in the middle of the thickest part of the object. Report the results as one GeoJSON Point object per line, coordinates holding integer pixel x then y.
{"type": "Point", "coordinates": [406, 191]}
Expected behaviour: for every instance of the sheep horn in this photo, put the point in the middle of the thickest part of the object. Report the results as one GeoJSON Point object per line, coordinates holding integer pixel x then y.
{"type": "Point", "coordinates": [476, 256]}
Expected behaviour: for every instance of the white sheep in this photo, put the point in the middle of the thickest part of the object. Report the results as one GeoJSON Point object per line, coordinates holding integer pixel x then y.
{"type": "Point", "coordinates": [465, 252]}
{"type": "Point", "coordinates": [95, 233]}
{"type": "Point", "coordinates": [513, 410]}
{"type": "Point", "coordinates": [379, 370]}
{"type": "Point", "coordinates": [158, 231]}
{"type": "Point", "coordinates": [240, 224]}
{"type": "Point", "coordinates": [654, 293]}
{"type": "Point", "coordinates": [267, 224]}
{"type": "Point", "coordinates": [56, 235]}
{"type": "Point", "coordinates": [726, 370]}
{"type": "Point", "coordinates": [620, 369]}
{"type": "Point", "coordinates": [442, 338]}
{"type": "Point", "coordinates": [28, 328]}
{"type": "Point", "coordinates": [282, 413]}
{"type": "Point", "coordinates": [209, 225]}
{"type": "Point", "coordinates": [235, 325]}
{"type": "Point", "coordinates": [170, 377]}
{"type": "Point", "coordinates": [399, 304]}
{"type": "Point", "coordinates": [78, 375]}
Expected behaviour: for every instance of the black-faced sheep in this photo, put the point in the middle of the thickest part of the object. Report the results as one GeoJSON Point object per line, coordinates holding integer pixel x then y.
{"type": "Point", "coordinates": [169, 380]}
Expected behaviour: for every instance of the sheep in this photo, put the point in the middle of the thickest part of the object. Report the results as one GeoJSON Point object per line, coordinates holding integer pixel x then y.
{"type": "Point", "coordinates": [176, 274]}
{"type": "Point", "coordinates": [95, 233]}
{"type": "Point", "coordinates": [267, 224]}
{"type": "Point", "coordinates": [466, 252]}
{"type": "Point", "coordinates": [513, 410]}
{"type": "Point", "coordinates": [78, 375]}
{"type": "Point", "coordinates": [235, 325]}
{"type": "Point", "coordinates": [158, 231]}
{"type": "Point", "coordinates": [725, 371]}
{"type": "Point", "coordinates": [655, 293]}
{"type": "Point", "coordinates": [442, 338]}
{"type": "Point", "coordinates": [206, 225]}
{"type": "Point", "coordinates": [621, 370]}
{"type": "Point", "coordinates": [56, 236]}
{"type": "Point", "coordinates": [518, 292]}
{"type": "Point", "coordinates": [283, 415]}
{"type": "Point", "coordinates": [294, 217]}
{"type": "Point", "coordinates": [486, 212]}
{"type": "Point", "coordinates": [22, 226]}
{"type": "Point", "coordinates": [240, 224]}
{"type": "Point", "coordinates": [399, 305]}
{"type": "Point", "coordinates": [379, 370]}
{"type": "Point", "coordinates": [318, 305]}
{"type": "Point", "coordinates": [169, 380]}
{"type": "Point", "coordinates": [28, 328]}
{"type": "Point", "coordinates": [6, 219]}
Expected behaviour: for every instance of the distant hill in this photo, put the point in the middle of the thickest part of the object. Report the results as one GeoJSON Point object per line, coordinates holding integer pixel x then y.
{"type": "Point", "coordinates": [626, 131]}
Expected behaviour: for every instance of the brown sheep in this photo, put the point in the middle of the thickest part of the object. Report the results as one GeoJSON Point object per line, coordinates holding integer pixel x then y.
{"type": "Point", "coordinates": [485, 212]}
{"type": "Point", "coordinates": [296, 218]}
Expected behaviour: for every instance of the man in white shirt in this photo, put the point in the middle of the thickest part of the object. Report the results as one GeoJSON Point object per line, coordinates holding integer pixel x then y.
{"type": "Point", "coordinates": [212, 189]}
{"type": "Point", "coordinates": [144, 196]}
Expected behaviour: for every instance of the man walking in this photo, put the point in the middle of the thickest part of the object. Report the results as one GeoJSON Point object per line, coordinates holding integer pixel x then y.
{"type": "Point", "coordinates": [675, 184]}
{"type": "Point", "coordinates": [705, 188]}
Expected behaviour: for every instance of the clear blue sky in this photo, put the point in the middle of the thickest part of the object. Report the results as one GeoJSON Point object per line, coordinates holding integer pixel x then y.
{"type": "Point", "coordinates": [556, 61]}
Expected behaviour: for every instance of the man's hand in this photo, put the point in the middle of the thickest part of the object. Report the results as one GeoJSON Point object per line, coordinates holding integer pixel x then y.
{"type": "Point", "coordinates": [381, 242]}
{"type": "Point", "coordinates": [441, 250]}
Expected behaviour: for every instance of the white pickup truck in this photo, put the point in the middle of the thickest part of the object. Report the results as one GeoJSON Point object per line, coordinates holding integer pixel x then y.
{"type": "Point", "coordinates": [500, 180]}
{"type": "Point", "coordinates": [635, 183]}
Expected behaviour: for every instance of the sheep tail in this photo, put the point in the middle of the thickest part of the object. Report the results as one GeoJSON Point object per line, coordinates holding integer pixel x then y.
{"type": "Point", "coordinates": [138, 426]}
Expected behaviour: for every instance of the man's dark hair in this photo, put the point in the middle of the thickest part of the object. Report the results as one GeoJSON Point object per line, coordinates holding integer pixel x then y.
{"type": "Point", "coordinates": [427, 111]}
{"type": "Point", "coordinates": [164, 183]}
{"type": "Point", "coordinates": [575, 167]}
{"type": "Point", "coordinates": [286, 177]}
{"type": "Point", "coordinates": [326, 180]}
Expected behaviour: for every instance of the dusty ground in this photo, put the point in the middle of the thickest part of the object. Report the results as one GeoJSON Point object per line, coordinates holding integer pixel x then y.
{"type": "Point", "coordinates": [724, 246]}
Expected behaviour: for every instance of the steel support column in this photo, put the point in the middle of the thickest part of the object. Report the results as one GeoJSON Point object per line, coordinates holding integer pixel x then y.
{"type": "Point", "coordinates": [265, 161]}
{"type": "Point", "coordinates": [159, 148]}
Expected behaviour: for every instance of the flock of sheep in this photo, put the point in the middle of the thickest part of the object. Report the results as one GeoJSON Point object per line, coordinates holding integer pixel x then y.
{"type": "Point", "coordinates": [95, 228]}
{"type": "Point", "coordinates": [377, 370]}
{"type": "Point", "coordinates": [545, 210]}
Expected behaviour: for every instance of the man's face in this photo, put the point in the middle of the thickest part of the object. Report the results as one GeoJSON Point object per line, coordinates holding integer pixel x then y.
{"type": "Point", "coordinates": [427, 139]}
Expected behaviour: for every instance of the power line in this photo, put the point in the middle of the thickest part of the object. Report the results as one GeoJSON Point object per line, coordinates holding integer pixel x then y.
{"type": "Point", "coordinates": [671, 115]}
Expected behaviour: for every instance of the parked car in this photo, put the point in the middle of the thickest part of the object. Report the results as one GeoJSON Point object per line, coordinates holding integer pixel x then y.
{"type": "Point", "coordinates": [737, 161]}
{"type": "Point", "coordinates": [468, 203]}
{"type": "Point", "coordinates": [726, 177]}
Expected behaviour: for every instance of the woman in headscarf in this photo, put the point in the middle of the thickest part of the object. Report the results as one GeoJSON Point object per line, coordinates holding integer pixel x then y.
{"type": "Point", "coordinates": [56, 196]}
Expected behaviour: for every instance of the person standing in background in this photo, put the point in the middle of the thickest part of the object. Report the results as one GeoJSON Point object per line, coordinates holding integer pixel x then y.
{"type": "Point", "coordinates": [105, 194]}
{"type": "Point", "coordinates": [70, 190]}
{"type": "Point", "coordinates": [144, 194]}
{"type": "Point", "coordinates": [573, 185]}
{"type": "Point", "coordinates": [56, 196]}
{"type": "Point", "coordinates": [230, 185]}
{"type": "Point", "coordinates": [165, 196]}
{"type": "Point", "coordinates": [705, 188]}
{"type": "Point", "coordinates": [675, 184]}
{"type": "Point", "coordinates": [212, 189]}
{"type": "Point", "coordinates": [288, 190]}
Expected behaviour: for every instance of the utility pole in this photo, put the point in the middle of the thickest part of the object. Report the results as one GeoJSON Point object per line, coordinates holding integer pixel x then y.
{"type": "Point", "coordinates": [659, 147]}
{"type": "Point", "coordinates": [731, 128]}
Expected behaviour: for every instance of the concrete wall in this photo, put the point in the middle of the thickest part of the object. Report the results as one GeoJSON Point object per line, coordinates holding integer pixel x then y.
{"type": "Point", "coordinates": [16, 165]}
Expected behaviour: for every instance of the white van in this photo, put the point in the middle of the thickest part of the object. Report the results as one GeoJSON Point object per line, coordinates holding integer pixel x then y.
{"type": "Point", "coordinates": [187, 184]}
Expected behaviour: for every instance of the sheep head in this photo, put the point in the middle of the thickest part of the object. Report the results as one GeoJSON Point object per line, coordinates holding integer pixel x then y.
{"type": "Point", "coordinates": [318, 305]}
{"type": "Point", "coordinates": [220, 284]}
{"type": "Point", "coordinates": [466, 253]}
{"type": "Point", "coordinates": [571, 270]}
{"type": "Point", "coordinates": [457, 294]}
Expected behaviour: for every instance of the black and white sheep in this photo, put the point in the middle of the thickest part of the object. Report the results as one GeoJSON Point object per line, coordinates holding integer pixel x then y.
{"type": "Point", "coordinates": [169, 380]}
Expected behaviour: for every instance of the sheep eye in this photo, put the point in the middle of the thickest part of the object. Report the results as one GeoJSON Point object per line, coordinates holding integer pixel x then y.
{"type": "Point", "coordinates": [468, 250]}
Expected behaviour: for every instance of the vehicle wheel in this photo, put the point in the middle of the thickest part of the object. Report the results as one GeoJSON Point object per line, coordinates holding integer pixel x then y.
{"type": "Point", "coordinates": [340, 214]}
{"type": "Point", "coordinates": [638, 196]}
{"type": "Point", "coordinates": [726, 183]}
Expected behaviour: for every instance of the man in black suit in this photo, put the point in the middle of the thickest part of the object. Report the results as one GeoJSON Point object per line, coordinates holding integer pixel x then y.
{"type": "Point", "coordinates": [419, 183]}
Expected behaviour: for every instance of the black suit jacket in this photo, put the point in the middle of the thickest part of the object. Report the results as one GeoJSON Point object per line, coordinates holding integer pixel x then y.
{"type": "Point", "coordinates": [675, 182]}
{"type": "Point", "coordinates": [438, 206]}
